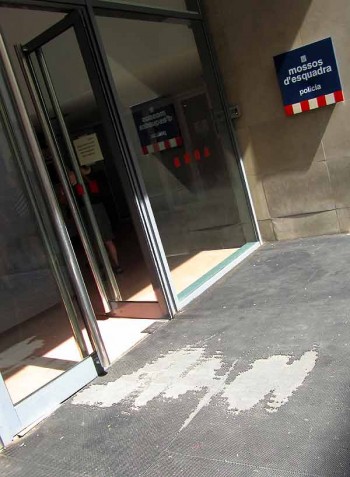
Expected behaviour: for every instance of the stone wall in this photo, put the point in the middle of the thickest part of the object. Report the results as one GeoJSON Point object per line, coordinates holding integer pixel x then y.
{"type": "Point", "coordinates": [298, 167]}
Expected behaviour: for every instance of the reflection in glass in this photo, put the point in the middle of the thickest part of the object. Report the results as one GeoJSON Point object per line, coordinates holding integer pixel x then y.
{"type": "Point", "coordinates": [182, 143]}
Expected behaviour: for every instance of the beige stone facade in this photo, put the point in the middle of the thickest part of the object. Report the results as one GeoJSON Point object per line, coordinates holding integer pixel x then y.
{"type": "Point", "coordinates": [298, 167]}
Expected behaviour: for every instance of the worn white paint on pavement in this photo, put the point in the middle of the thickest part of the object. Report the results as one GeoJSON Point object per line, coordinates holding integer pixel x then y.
{"type": "Point", "coordinates": [191, 369]}
{"type": "Point", "coordinates": [169, 376]}
{"type": "Point", "coordinates": [273, 378]}
{"type": "Point", "coordinates": [212, 391]}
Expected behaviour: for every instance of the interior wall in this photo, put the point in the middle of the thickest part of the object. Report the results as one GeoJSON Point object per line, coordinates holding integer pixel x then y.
{"type": "Point", "coordinates": [19, 26]}
{"type": "Point", "coordinates": [160, 58]}
{"type": "Point", "coordinates": [298, 167]}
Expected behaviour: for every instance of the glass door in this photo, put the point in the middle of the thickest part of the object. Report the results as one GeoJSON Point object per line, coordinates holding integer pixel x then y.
{"type": "Point", "coordinates": [183, 146]}
{"type": "Point", "coordinates": [47, 338]}
{"type": "Point", "coordinates": [64, 83]}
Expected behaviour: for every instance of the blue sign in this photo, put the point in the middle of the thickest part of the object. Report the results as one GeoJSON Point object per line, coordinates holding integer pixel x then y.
{"type": "Point", "coordinates": [157, 126]}
{"type": "Point", "coordinates": [308, 77]}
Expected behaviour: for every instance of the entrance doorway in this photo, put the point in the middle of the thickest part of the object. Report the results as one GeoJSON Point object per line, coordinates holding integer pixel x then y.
{"type": "Point", "coordinates": [49, 348]}
{"type": "Point", "coordinates": [79, 153]}
{"type": "Point", "coordinates": [134, 180]}
{"type": "Point", "coordinates": [81, 166]}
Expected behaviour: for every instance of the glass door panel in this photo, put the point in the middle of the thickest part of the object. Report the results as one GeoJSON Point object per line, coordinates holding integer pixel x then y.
{"type": "Point", "coordinates": [175, 118]}
{"type": "Point", "coordinates": [41, 328]}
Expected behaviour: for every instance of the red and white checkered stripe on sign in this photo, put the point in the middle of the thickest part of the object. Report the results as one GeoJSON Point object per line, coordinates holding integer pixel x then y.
{"type": "Point", "coordinates": [314, 103]}
{"type": "Point", "coordinates": [162, 145]}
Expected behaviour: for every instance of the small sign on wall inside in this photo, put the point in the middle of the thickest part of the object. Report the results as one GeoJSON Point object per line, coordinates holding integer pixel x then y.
{"type": "Point", "coordinates": [157, 126]}
{"type": "Point", "coordinates": [88, 149]}
{"type": "Point", "coordinates": [308, 77]}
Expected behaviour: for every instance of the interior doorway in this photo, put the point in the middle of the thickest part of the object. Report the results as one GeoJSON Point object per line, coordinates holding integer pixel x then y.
{"type": "Point", "coordinates": [84, 173]}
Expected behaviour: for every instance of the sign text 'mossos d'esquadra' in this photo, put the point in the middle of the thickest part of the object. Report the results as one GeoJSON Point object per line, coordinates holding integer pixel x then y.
{"type": "Point", "coordinates": [308, 77]}
{"type": "Point", "coordinates": [308, 71]}
{"type": "Point", "coordinates": [155, 120]}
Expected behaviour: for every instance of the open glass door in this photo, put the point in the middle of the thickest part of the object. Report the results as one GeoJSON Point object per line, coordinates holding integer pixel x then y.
{"type": "Point", "coordinates": [48, 334]}
{"type": "Point", "coordinates": [64, 83]}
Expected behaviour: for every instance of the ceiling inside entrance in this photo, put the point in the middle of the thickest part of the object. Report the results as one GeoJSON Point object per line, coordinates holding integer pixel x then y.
{"type": "Point", "coordinates": [147, 59]}
{"type": "Point", "coordinates": [19, 26]}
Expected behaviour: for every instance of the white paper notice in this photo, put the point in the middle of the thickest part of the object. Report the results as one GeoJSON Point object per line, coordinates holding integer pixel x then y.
{"type": "Point", "coordinates": [88, 149]}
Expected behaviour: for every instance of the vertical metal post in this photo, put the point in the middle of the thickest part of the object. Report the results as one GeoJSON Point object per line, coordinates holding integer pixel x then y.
{"type": "Point", "coordinates": [62, 233]}
{"type": "Point", "coordinates": [90, 213]}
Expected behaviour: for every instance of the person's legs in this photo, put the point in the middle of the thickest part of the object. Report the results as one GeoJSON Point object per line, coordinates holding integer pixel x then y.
{"type": "Point", "coordinates": [113, 255]}
{"type": "Point", "coordinates": [106, 231]}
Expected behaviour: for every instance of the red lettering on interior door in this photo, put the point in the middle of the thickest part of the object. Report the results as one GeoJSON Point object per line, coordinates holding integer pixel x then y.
{"type": "Point", "coordinates": [187, 157]}
{"type": "Point", "coordinates": [206, 152]}
{"type": "Point", "coordinates": [197, 154]}
{"type": "Point", "coordinates": [177, 162]}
